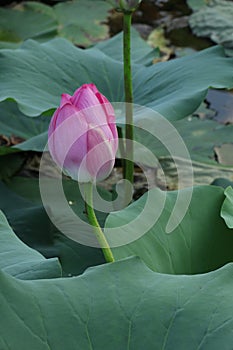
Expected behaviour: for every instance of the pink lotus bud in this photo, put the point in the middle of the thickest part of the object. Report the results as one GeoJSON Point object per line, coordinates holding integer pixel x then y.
{"type": "Point", "coordinates": [83, 136]}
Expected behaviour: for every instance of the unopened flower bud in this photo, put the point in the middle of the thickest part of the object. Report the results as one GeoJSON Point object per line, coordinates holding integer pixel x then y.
{"type": "Point", "coordinates": [83, 136]}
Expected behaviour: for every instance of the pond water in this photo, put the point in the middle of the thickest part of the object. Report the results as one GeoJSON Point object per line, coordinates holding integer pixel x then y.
{"type": "Point", "coordinates": [169, 15]}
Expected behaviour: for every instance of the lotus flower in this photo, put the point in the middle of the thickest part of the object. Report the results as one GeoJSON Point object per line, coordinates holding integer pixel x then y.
{"type": "Point", "coordinates": [83, 136]}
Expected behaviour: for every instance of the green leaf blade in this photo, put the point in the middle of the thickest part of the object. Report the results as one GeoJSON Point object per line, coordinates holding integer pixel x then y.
{"type": "Point", "coordinates": [227, 207]}
{"type": "Point", "coordinates": [200, 243]}
{"type": "Point", "coordinates": [47, 70]}
{"type": "Point", "coordinates": [123, 304]}
{"type": "Point", "coordinates": [21, 261]}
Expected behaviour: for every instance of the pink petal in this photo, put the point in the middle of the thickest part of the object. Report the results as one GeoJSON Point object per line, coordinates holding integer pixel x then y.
{"type": "Point", "coordinates": [85, 97]}
{"type": "Point", "coordinates": [65, 98]}
{"type": "Point", "coordinates": [95, 115]}
{"type": "Point", "coordinates": [113, 128]}
{"type": "Point", "coordinates": [110, 113]}
{"type": "Point", "coordinates": [68, 140]}
{"type": "Point", "coordinates": [100, 157]}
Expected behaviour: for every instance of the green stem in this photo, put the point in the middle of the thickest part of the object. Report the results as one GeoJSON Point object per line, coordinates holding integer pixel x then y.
{"type": "Point", "coordinates": [94, 222]}
{"type": "Point", "coordinates": [129, 165]}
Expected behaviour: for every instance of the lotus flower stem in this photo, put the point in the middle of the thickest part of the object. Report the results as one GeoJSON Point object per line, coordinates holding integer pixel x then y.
{"type": "Point", "coordinates": [94, 222]}
{"type": "Point", "coordinates": [129, 132]}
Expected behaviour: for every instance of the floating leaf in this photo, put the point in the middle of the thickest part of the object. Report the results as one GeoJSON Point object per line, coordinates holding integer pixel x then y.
{"type": "Point", "coordinates": [80, 21]}
{"type": "Point", "coordinates": [26, 21]}
{"type": "Point", "coordinates": [215, 22]}
{"type": "Point", "coordinates": [197, 4]}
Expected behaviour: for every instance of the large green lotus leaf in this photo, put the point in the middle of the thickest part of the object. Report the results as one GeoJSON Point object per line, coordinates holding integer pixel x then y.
{"type": "Point", "coordinates": [19, 260]}
{"type": "Point", "coordinates": [123, 304]}
{"type": "Point", "coordinates": [227, 207]}
{"type": "Point", "coordinates": [25, 212]}
{"type": "Point", "coordinates": [36, 143]}
{"type": "Point", "coordinates": [15, 123]}
{"type": "Point", "coordinates": [28, 188]}
{"type": "Point", "coordinates": [141, 52]}
{"type": "Point", "coordinates": [201, 242]}
{"type": "Point", "coordinates": [80, 21]}
{"type": "Point", "coordinates": [215, 22]}
{"type": "Point", "coordinates": [31, 133]}
{"type": "Point", "coordinates": [46, 70]}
